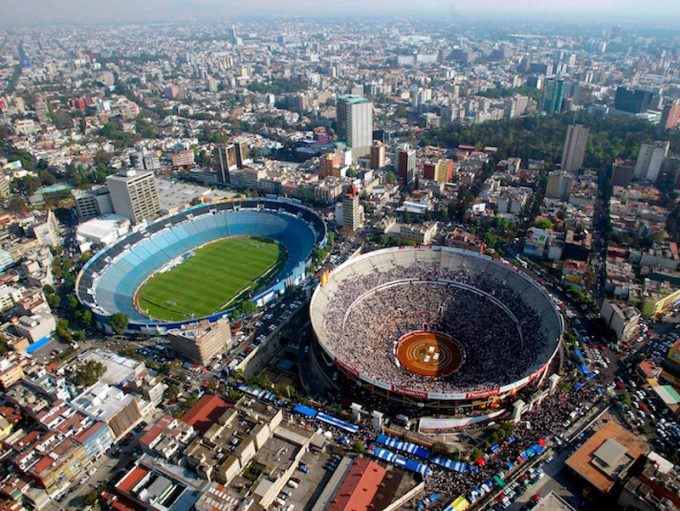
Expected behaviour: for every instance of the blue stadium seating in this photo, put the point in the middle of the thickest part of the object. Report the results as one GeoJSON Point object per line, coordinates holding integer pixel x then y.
{"type": "Point", "coordinates": [117, 282]}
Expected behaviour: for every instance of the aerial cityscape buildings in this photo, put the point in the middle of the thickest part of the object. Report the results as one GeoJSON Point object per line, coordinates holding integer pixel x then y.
{"type": "Point", "coordinates": [304, 256]}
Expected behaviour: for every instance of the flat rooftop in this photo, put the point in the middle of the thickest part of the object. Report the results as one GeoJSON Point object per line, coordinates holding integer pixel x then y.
{"type": "Point", "coordinates": [607, 453]}
{"type": "Point", "coordinates": [174, 195]}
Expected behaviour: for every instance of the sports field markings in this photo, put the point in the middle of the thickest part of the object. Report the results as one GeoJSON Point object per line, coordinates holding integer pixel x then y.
{"type": "Point", "coordinates": [211, 279]}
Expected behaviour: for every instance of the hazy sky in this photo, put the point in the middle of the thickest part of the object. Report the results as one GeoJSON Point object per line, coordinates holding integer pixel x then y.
{"type": "Point", "coordinates": [603, 11]}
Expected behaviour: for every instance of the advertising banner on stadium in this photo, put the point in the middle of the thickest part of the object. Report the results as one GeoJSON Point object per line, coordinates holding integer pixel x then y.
{"type": "Point", "coordinates": [537, 373]}
{"type": "Point", "coordinates": [409, 392]}
{"type": "Point", "coordinates": [347, 368]}
{"type": "Point", "coordinates": [481, 394]}
{"type": "Point", "coordinates": [446, 395]}
{"type": "Point", "coordinates": [439, 425]}
{"type": "Point", "coordinates": [512, 386]}
{"type": "Point", "coordinates": [375, 382]}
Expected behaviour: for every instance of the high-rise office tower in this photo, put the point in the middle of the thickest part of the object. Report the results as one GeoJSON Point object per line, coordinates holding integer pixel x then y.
{"type": "Point", "coordinates": [378, 155]}
{"type": "Point", "coordinates": [559, 185]}
{"type": "Point", "coordinates": [405, 164]}
{"type": "Point", "coordinates": [354, 116]}
{"type": "Point", "coordinates": [634, 101]}
{"type": "Point", "coordinates": [553, 95]}
{"type": "Point", "coordinates": [649, 160]}
{"type": "Point", "coordinates": [225, 161]}
{"type": "Point", "coordinates": [134, 195]}
{"type": "Point", "coordinates": [575, 147]}
{"type": "Point", "coordinates": [242, 150]}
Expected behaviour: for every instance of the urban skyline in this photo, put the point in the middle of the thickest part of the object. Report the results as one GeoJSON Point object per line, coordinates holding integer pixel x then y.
{"type": "Point", "coordinates": [353, 256]}
{"type": "Point", "coordinates": [659, 12]}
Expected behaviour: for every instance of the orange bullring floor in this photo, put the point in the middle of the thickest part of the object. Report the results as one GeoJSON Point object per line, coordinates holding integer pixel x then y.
{"type": "Point", "coordinates": [429, 353]}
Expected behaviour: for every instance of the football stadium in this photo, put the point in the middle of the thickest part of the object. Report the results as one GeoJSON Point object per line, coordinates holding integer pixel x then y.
{"type": "Point", "coordinates": [202, 262]}
{"type": "Point", "coordinates": [434, 327]}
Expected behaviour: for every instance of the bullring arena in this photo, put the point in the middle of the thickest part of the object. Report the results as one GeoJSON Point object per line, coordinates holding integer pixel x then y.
{"type": "Point", "coordinates": [434, 326]}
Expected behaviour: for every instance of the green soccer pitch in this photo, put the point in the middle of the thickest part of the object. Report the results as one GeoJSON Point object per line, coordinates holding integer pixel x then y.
{"type": "Point", "coordinates": [211, 279]}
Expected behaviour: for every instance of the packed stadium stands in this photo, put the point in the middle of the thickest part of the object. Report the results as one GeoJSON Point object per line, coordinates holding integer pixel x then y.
{"type": "Point", "coordinates": [506, 325]}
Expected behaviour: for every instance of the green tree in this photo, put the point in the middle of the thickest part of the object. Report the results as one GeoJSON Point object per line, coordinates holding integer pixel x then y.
{"type": "Point", "coordinates": [89, 373]}
{"type": "Point", "coordinates": [246, 308]}
{"type": "Point", "coordinates": [63, 330]}
{"type": "Point", "coordinates": [439, 448]}
{"type": "Point", "coordinates": [544, 224]}
{"type": "Point", "coordinates": [118, 322]}
{"type": "Point", "coordinates": [391, 178]}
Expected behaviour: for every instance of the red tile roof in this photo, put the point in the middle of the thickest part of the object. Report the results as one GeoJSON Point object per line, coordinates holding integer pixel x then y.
{"type": "Point", "coordinates": [359, 486]}
{"type": "Point", "coordinates": [131, 479]}
{"type": "Point", "coordinates": [206, 412]}
{"type": "Point", "coordinates": [84, 435]}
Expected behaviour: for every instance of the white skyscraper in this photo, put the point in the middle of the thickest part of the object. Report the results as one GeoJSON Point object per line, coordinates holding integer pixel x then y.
{"type": "Point", "coordinates": [575, 147]}
{"type": "Point", "coordinates": [354, 115]}
{"type": "Point", "coordinates": [649, 160]}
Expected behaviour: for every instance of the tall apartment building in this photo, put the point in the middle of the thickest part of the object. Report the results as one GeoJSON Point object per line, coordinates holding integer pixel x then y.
{"type": "Point", "coordinates": [405, 164]}
{"type": "Point", "coordinates": [46, 229]}
{"type": "Point", "coordinates": [622, 172]}
{"type": "Point", "coordinates": [93, 203]}
{"type": "Point", "coordinates": [352, 215]}
{"type": "Point", "coordinates": [378, 155]}
{"type": "Point", "coordinates": [4, 186]}
{"type": "Point", "coordinates": [559, 185]}
{"type": "Point", "coordinates": [441, 171]}
{"type": "Point", "coordinates": [201, 342]}
{"type": "Point", "coordinates": [670, 118]}
{"type": "Point", "coordinates": [330, 164]}
{"type": "Point", "coordinates": [575, 144]}
{"type": "Point", "coordinates": [225, 161]}
{"type": "Point", "coordinates": [134, 195]}
{"type": "Point", "coordinates": [354, 116]}
{"type": "Point", "coordinates": [649, 160]}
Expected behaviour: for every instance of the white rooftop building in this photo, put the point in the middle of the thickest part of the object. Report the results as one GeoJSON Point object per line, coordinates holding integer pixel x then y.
{"type": "Point", "coordinates": [102, 230]}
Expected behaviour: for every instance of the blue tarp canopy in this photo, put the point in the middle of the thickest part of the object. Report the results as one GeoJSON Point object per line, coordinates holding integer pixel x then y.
{"type": "Point", "coordinates": [402, 445]}
{"type": "Point", "coordinates": [494, 448]}
{"type": "Point", "coordinates": [334, 421]}
{"type": "Point", "coordinates": [391, 457]}
{"type": "Point", "coordinates": [304, 410]}
{"type": "Point", "coordinates": [445, 462]}
{"type": "Point", "coordinates": [264, 394]}
{"type": "Point", "coordinates": [40, 343]}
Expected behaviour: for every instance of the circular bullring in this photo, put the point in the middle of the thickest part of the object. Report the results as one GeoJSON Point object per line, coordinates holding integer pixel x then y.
{"type": "Point", "coordinates": [383, 316]}
{"type": "Point", "coordinates": [429, 353]}
{"type": "Point", "coordinates": [117, 276]}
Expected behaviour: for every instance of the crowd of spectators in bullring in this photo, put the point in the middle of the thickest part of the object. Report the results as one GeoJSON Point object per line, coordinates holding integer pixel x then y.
{"type": "Point", "coordinates": [500, 335]}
